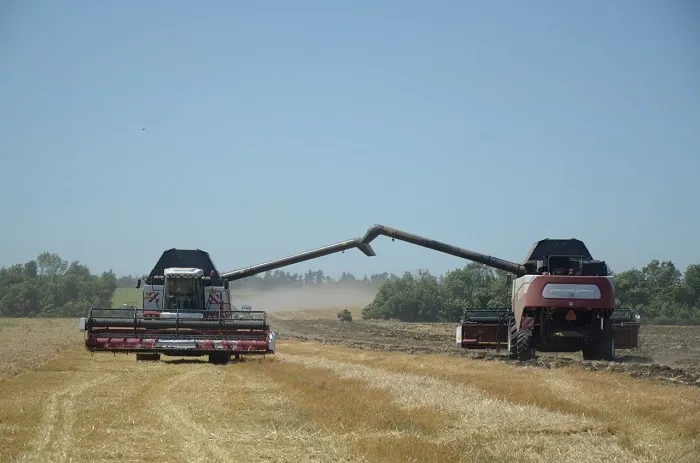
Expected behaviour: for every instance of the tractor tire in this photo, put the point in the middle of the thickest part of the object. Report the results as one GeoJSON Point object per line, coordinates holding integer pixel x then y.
{"type": "Point", "coordinates": [523, 345]}
{"type": "Point", "coordinates": [589, 353]}
{"type": "Point", "coordinates": [512, 333]}
{"type": "Point", "coordinates": [220, 358]}
{"type": "Point", "coordinates": [147, 357]}
{"type": "Point", "coordinates": [604, 348]}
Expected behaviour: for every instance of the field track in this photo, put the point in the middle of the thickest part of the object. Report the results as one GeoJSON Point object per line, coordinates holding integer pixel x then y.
{"type": "Point", "coordinates": [323, 400]}
{"type": "Point", "coordinates": [668, 353]}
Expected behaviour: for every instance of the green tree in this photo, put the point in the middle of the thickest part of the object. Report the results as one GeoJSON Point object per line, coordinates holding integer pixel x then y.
{"type": "Point", "coordinates": [51, 265]}
{"type": "Point", "coordinates": [49, 286]}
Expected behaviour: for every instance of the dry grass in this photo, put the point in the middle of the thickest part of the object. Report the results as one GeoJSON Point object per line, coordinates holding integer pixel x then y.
{"type": "Point", "coordinates": [26, 343]}
{"type": "Point", "coordinates": [314, 402]}
{"type": "Point", "coordinates": [366, 420]}
{"type": "Point", "coordinates": [113, 408]}
{"type": "Point", "coordinates": [650, 420]}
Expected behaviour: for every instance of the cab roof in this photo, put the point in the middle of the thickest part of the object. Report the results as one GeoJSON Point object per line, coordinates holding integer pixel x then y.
{"type": "Point", "coordinates": [185, 259]}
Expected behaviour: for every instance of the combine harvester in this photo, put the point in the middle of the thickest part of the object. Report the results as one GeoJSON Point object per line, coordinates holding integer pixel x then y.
{"type": "Point", "coordinates": [186, 310]}
{"type": "Point", "coordinates": [563, 300]}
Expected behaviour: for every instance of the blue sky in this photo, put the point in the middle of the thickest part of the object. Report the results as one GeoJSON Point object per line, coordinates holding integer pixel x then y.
{"type": "Point", "coordinates": [277, 127]}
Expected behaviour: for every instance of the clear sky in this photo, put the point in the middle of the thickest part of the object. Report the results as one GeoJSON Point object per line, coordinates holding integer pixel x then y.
{"type": "Point", "coordinates": [276, 127]}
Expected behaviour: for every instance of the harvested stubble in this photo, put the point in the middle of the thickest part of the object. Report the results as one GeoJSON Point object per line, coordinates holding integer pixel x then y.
{"type": "Point", "coordinates": [29, 342]}
{"type": "Point", "coordinates": [316, 402]}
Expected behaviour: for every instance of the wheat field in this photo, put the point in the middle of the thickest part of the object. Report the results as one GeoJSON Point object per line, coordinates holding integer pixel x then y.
{"type": "Point", "coordinates": [325, 403]}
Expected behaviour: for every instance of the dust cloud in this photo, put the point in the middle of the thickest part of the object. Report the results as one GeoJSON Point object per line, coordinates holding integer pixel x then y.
{"type": "Point", "coordinates": [304, 299]}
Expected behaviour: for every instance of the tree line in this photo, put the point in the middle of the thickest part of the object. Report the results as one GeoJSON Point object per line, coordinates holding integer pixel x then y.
{"type": "Point", "coordinates": [50, 286]}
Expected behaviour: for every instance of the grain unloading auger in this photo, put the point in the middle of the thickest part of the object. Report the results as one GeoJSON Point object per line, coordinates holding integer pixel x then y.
{"type": "Point", "coordinates": [187, 310]}
{"type": "Point", "coordinates": [563, 300]}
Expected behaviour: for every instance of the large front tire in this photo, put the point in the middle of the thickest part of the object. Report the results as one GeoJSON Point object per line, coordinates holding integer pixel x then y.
{"type": "Point", "coordinates": [220, 358]}
{"type": "Point", "coordinates": [524, 346]}
{"type": "Point", "coordinates": [604, 348]}
{"type": "Point", "coordinates": [512, 333]}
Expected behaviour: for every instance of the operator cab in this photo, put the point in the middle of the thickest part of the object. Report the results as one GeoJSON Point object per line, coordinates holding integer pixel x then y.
{"type": "Point", "coordinates": [572, 266]}
{"type": "Point", "coordinates": [183, 289]}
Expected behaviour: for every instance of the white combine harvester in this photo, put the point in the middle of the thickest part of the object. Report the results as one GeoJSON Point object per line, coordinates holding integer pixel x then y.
{"type": "Point", "coordinates": [186, 310]}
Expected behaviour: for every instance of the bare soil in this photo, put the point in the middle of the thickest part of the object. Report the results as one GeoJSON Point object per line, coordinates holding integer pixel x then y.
{"type": "Point", "coordinates": [668, 353]}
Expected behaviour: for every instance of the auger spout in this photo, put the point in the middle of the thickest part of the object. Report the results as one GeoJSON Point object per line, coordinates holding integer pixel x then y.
{"type": "Point", "coordinates": [296, 258]}
{"type": "Point", "coordinates": [507, 266]}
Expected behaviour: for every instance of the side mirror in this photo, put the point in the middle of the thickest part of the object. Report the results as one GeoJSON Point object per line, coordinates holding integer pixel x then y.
{"type": "Point", "coordinates": [138, 283]}
{"type": "Point", "coordinates": [509, 279]}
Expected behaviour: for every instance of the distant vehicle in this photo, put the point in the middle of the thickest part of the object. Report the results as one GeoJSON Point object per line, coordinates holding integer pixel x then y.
{"type": "Point", "coordinates": [345, 315]}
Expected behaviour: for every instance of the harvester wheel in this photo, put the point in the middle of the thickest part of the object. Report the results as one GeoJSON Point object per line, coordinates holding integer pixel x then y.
{"type": "Point", "coordinates": [606, 346]}
{"type": "Point", "coordinates": [523, 345]}
{"type": "Point", "coordinates": [219, 358]}
{"type": "Point", "coordinates": [149, 357]}
{"type": "Point", "coordinates": [512, 333]}
{"type": "Point", "coordinates": [604, 349]}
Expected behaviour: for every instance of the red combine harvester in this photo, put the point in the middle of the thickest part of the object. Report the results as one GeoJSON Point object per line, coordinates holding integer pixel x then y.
{"type": "Point", "coordinates": [187, 311]}
{"type": "Point", "coordinates": [563, 300]}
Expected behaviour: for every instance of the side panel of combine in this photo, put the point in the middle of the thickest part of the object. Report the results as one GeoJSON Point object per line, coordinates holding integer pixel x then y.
{"type": "Point", "coordinates": [520, 288]}
{"type": "Point", "coordinates": [216, 301]}
{"type": "Point", "coordinates": [217, 298]}
{"type": "Point", "coordinates": [153, 297]}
